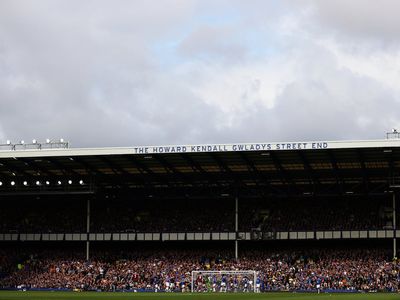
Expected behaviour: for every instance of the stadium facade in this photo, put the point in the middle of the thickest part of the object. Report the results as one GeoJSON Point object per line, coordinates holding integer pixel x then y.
{"type": "Point", "coordinates": [234, 173]}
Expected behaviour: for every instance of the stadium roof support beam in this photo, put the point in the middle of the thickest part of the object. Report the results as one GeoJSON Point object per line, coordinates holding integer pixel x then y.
{"type": "Point", "coordinates": [258, 176]}
{"type": "Point", "coordinates": [193, 164]}
{"type": "Point", "coordinates": [171, 169]}
{"type": "Point", "coordinates": [143, 169]}
{"type": "Point", "coordinates": [6, 171]}
{"type": "Point", "coordinates": [37, 168]}
{"type": "Point", "coordinates": [14, 170]}
{"type": "Point", "coordinates": [110, 165]}
{"type": "Point", "coordinates": [365, 178]}
{"type": "Point", "coordinates": [310, 172]}
{"type": "Point", "coordinates": [224, 168]}
{"type": "Point", "coordinates": [392, 178]}
{"type": "Point", "coordinates": [166, 165]}
{"type": "Point", "coordinates": [117, 170]}
{"type": "Point", "coordinates": [284, 177]}
{"type": "Point", "coordinates": [251, 167]}
{"type": "Point", "coordinates": [90, 169]}
{"type": "Point", "coordinates": [113, 166]}
{"type": "Point", "coordinates": [221, 164]}
{"type": "Point", "coordinates": [64, 169]}
{"type": "Point", "coordinates": [339, 179]}
{"type": "Point", "coordinates": [145, 172]}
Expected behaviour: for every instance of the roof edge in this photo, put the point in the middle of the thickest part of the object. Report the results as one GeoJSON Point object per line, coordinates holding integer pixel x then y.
{"type": "Point", "coordinates": [203, 148]}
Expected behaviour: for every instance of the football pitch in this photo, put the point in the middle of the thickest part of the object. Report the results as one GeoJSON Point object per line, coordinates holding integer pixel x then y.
{"type": "Point", "coordinates": [8, 295]}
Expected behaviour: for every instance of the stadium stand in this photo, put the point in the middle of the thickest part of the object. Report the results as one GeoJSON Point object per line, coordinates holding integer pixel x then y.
{"type": "Point", "coordinates": [205, 215]}
{"type": "Point", "coordinates": [42, 214]}
{"type": "Point", "coordinates": [320, 218]}
{"type": "Point", "coordinates": [346, 269]}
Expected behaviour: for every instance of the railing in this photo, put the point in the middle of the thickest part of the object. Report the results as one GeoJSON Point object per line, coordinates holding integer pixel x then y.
{"type": "Point", "coordinates": [201, 236]}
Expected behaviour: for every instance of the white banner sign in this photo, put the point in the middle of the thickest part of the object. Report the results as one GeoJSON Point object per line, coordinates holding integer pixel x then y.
{"type": "Point", "coordinates": [230, 147]}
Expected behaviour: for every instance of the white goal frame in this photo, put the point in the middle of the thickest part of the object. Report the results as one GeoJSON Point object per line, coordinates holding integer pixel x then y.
{"type": "Point", "coordinates": [225, 272]}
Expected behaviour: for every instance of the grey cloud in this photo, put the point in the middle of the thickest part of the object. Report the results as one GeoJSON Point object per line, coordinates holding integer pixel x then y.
{"type": "Point", "coordinates": [325, 102]}
{"type": "Point", "coordinates": [309, 110]}
{"type": "Point", "coordinates": [87, 71]}
{"type": "Point", "coordinates": [376, 21]}
{"type": "Point", "coordinates": [90, 77]}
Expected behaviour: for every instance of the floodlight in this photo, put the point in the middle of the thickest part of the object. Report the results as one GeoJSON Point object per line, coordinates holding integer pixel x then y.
{"type": "Point", "coordinates": [22, 142]}
{"type": "Point", "coordinates": [34, 141]}
{"type": "Point", "coordinates": [59, 182]}
{"type": "Point", "coordinates": [1, 183]}
{"type": "Point", "coordinates": [48, 141]}
{"type": "Point", "coordinates": [61, 140]}
{"type": "Point", "coordinates": [8, 142]}
{"type": "Point", "coordinates": [25, 183]}
{"type": "Point", "coordinates": [12, 183]}
{"type": "Point", "coordinates": [47, 182]}
{"type": "Point", "coordinates": [81, 182]}
{"type": "Point", "coordinates": [38, 182]}
{"type": "Point", "coordinates": [69, 181]}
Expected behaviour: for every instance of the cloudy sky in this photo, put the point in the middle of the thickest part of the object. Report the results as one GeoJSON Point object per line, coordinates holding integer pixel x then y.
{"type": "Point", "coordinates": [124, 73]}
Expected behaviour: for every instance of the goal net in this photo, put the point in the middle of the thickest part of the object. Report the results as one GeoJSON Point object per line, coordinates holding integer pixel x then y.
{"type": "Point", "coordinates": [224, 281]}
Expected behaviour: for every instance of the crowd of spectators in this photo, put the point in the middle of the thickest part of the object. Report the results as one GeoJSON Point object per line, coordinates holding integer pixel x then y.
{"type": "Point", "coordinates": [42, 215]}
{"type": "Point", "coordinates": [116, 214]}
{"type": "Point", "coordinates": [163, 215]}
{"type": "Point", "coordinates": [322, 214]}
{"type": "Point", "coordinates": [285, 270]}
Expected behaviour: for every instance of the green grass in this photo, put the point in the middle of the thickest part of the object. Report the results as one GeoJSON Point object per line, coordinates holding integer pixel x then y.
{"type": "Point", "coordinates": [8, 295]}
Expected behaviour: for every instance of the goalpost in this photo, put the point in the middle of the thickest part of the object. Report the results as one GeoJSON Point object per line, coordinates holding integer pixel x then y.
{"type": "Point", "coordinates": [224, 281]}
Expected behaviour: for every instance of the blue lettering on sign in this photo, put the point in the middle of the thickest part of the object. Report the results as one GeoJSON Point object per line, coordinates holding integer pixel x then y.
{"type": "Point", "coordinates": [206, 148]}
{"type": "Point", "coordinates": [167, 149]}
{"type": "Point", "coordinates": [291, 146]}
{"type": "Point", "coordinates": [141, 150]}
{"type": "Point", "coordinates": [320, 145]}
{"type": "Point", "coordinates": [250, 147]}
{"type": "Point", "coordinates": [234, 147]}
